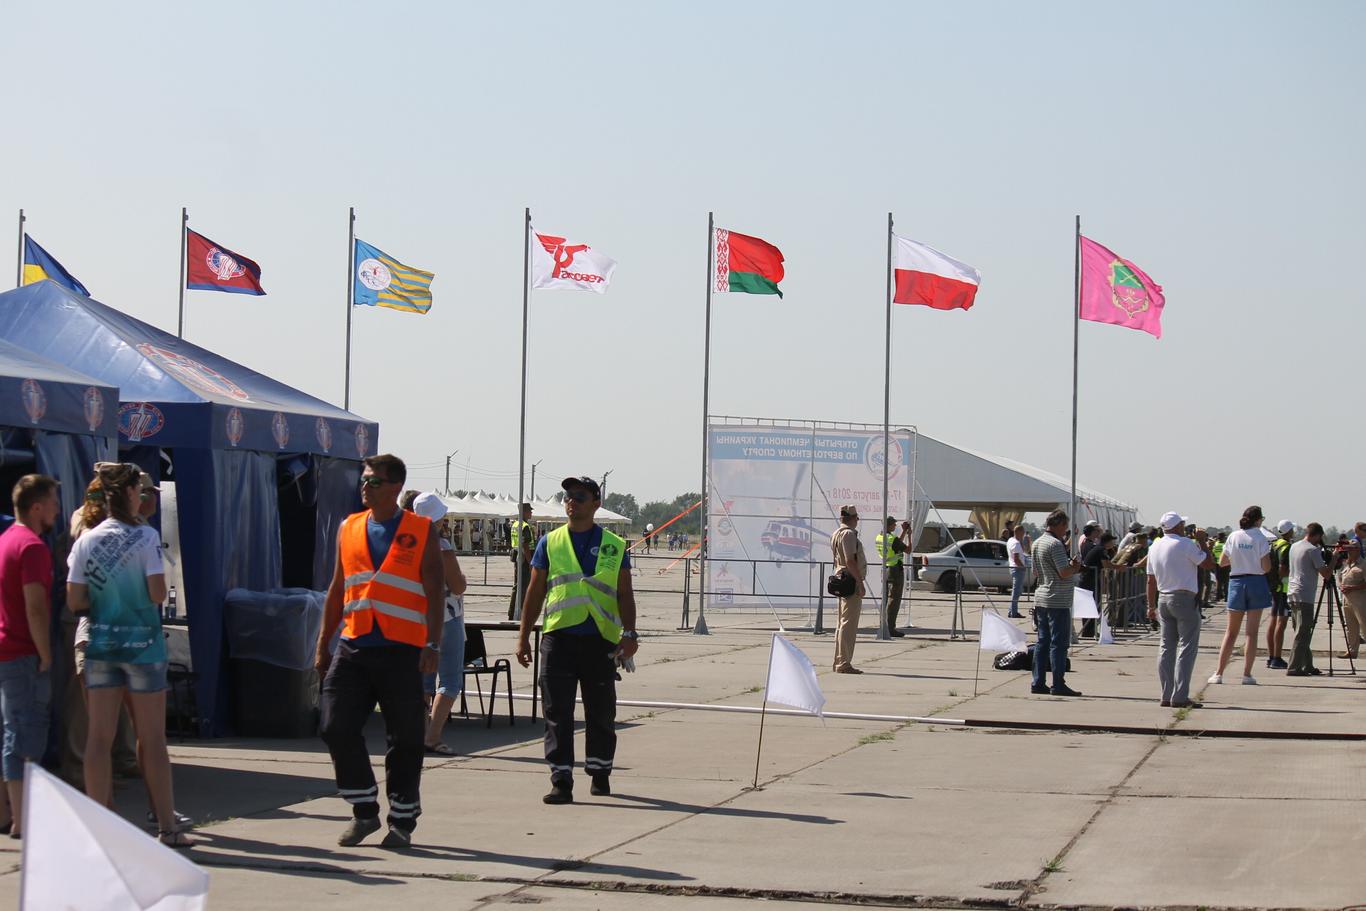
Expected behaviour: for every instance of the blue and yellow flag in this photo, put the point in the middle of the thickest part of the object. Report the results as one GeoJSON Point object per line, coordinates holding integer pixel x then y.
{"type": "Point", "coordinates": [39, 265]}
{"type": "Point", "coordinates": [382, 281]}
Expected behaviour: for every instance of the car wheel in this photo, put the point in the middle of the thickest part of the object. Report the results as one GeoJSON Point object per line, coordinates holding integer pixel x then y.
{"type": "Point", "coordinates": [948, 583]}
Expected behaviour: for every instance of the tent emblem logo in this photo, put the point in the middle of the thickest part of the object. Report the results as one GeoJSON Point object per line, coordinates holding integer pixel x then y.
{"type": "Point", "coordinates": [279, 428]}
{"type": "Point", "coordinates": [94, 408]}
{"type": "Point", "coordinates": [194, 374]}
{"type": "Point", "coordinates": [223, 266]}
{"type": "Point", "coordinates": [362, 440]}
{"type": "Point", "coordinates": [35, 400]}
{"type": "Point", "coordinates": [139, 421]}
{"type": "Point", "coordinates": [323, 431]}
{"type": "Point", "coordinates": [874, 455]}
{"type": "Point", "coordinates": [234, 425]}
{"type": "Point", "coordinates": [374, 274]}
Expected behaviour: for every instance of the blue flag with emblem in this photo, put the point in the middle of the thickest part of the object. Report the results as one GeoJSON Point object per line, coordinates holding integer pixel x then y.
{"type": "Point", "coordinates": [39, 265]}
{"type": "Point", "coordinates": [382, 281]}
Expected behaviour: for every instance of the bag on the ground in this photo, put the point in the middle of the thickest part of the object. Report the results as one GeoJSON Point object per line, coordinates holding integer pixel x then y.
{"type": "Point", "coordinates": [841, 584]}
{"type": "Point", "coordinates": [1020, 660]}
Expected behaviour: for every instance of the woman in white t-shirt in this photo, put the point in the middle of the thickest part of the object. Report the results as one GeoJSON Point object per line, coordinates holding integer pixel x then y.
{"type": "Point", "coordinates": [1247, 554]}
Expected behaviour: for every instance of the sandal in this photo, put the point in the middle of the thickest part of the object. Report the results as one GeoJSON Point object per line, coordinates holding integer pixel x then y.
{"type": "Point", "coordinates": [175, 838]}
{"type": "Point", "coordinates": [440, 748]}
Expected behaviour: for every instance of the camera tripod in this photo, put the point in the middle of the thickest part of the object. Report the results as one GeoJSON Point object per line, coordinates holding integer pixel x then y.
{"type": "Point", "coordinates": [1329, 595]}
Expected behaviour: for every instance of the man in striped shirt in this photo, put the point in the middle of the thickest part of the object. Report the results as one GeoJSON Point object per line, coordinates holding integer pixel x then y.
{"type": "Point", "coordinates": [1053, 604]}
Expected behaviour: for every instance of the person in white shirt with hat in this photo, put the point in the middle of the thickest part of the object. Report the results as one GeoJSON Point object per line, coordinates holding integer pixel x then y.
{"type": "Point", "coordinates": [1175, 562]}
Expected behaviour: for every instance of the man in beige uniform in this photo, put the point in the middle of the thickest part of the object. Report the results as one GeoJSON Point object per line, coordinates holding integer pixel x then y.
{"type": "Point", "coordinates": [847, 551]}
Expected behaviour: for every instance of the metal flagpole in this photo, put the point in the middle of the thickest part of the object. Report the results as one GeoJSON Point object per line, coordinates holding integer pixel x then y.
{"type": "Point", "coordinates": [701, 628]}
{"type": "Point", "coordinates": [882, 631]}
{"type": "Point", "coordinates": [1076, 347]}
{"type": "Point", "coordinates": [350, 300]}
{"type": "Point", "coordinates": [19, 269]}
{"type": "Point", "coordinates": [519, 583]}
{"type": "Point", "coordinates": [184, 224]}
{"type": "Point", "coordinates": [763, 713]}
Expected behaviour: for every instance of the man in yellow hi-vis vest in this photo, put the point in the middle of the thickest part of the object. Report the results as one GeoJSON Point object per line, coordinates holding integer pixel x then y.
{"type": "Point", "coordinates": [522, 537]}
{"type": "Point", "coordinates": [581, 575]}
{"type": "Point", "coordinates": [892, 548]}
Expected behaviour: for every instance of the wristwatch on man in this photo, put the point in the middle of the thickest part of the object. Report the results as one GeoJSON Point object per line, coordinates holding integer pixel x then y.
{"type": "Point", "coordinates": [632, 635]}
{"type": "Point", "coordinates": [434, 647]}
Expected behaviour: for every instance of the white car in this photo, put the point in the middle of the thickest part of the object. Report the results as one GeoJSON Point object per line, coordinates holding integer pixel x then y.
{"type": "Point", "coordinates": [977, 562]}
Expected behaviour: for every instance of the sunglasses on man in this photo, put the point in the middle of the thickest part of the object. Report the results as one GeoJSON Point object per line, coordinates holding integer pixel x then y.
{"type": "Point", "coordinates": [578, 496]}
{"type": "Point", "coordinates": [374, 481]}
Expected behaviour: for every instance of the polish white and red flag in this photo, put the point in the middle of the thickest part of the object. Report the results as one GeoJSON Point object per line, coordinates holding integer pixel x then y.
{"type": "Point", "coordinates": [926, 276]}
{"type": "Point", "coordinates": [556, 263]}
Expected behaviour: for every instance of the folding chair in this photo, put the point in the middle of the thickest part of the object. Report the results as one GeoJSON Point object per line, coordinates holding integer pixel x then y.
{"type": "Point", "coordinates": [476, 666]}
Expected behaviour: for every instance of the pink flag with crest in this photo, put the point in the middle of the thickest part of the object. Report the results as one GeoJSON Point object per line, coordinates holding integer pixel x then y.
{"type": "Point", "coordinates": [1114, 290]}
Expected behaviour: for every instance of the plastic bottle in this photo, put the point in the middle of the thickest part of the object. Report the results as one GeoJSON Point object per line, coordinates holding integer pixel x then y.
{"type": "Point", "coordinates": [171, 609]}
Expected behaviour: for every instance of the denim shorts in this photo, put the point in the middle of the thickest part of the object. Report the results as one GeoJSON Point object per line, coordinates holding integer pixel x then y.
{"type": "Point", "coordinates": [1247, 593]}
{"type": "Point", "coordinates": [1280, 606]}
{"type": "Point", "coordinates": [451, 667]}
{"type": "Point", "coordinates": [138, 678]}
{"type": "Point", "coordinates": [24, 697]}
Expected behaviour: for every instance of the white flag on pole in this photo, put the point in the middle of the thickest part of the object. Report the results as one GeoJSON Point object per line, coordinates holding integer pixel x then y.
{"type": "Point", "coordinates": [792, 679]}
{"type": "Point", "coordinates": [1084, 605]}
{"type": "Point", "coordinates": [1107, 635]}
{"type": "Point", "coordinates": [77, 854]}
{"type": "Point", "coordinates": [999, 634]}
{"type": "Point", "coordinates": [556, 263]}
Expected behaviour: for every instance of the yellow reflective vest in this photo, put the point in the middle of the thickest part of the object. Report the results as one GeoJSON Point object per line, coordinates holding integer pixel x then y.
{"type": "Point", "coordinates": [571, 596]}
{"type": "Point", "coordinates": [884, 550]}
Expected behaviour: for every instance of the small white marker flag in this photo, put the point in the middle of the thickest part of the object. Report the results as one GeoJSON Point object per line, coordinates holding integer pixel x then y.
{"type": "Point", "coordinates": [1084, 605]}
{"type": "Point", "coordinates": [1107, 635]}
{"type": "Point", "coordinates": [77, 854]}
{"type": "Point", "coordinates": [999, 634]}
{"type": "Point", "coordinates": [792, 679]}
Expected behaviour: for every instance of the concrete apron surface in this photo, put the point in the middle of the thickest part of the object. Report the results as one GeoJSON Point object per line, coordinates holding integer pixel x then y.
{"type": "Point", "coordinates": [856, 812]}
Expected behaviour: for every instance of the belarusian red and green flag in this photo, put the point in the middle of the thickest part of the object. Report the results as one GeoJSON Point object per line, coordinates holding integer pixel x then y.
{"type": "Point", "coordinates": [745, 264]}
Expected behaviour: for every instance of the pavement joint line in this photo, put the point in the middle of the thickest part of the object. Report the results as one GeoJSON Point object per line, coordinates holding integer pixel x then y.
{"type": "Point", "coordinates": [1055, 864]}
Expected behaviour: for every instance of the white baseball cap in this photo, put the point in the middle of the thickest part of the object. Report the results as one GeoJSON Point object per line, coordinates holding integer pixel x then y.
{"type": "Point", "coordinates": [1170, 520]}
{"type": "Point", "coordinates": [430, 506]}
{"type": "Point", "coordinates": [1284, 526]}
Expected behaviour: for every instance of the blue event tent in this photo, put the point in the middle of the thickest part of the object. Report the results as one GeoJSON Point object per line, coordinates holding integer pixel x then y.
{"type": "Point", "coordinates": [264, 473]}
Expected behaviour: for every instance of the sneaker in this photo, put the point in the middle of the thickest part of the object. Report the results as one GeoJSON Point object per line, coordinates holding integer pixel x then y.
{"type": "Point", "coordinates": [357, 830]}
{"type": "Point", "coordinates": [848, 669]}
{"type": "Point", "coordinates": [1277, 664]}
{"type": "Point", "coordinates": [1038, 690]}
{"type": "Point", "coordinates": [1215, 678]}
{"type": "Point", "coordinates": [896, 632]}
{"type": "Point", "coordinates": [1016, 616]}
{"type": "Point", "coordinates": [559, 793]}
{"type": "Point", "coordinates": [1249, 681]}
{"type": "Point", "coordinates": [1315, 672]}
{"type": "Point", "coordinates": [602, 786]}
{"type": "Point", "coordinates": [396, 838]}
{"type": "Point", "coordinates": [1297, 673]}
{"type": "Point", "coordinates": [1064, 691]}
{"type": "Point", "coordinates": [1188, 705]}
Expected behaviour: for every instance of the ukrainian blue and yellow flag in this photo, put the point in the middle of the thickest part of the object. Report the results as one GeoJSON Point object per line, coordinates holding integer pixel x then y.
{"type": "Point", "coordinates": [382, 281]}
{"type": "Point", "coordinates": [39, 265]}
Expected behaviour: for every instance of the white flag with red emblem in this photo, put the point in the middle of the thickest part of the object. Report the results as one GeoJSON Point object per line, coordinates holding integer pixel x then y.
{"type": "Point", "coordinates": [556, 263]}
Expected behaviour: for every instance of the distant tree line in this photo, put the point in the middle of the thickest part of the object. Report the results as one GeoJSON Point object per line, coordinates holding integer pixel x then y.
{"type": "Point", "coordinates": [657, 512]}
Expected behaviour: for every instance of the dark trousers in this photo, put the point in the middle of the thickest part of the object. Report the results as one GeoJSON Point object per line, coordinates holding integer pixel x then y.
{"type": "Point", "coordinates": [1055, 635]}
{"type": "Point", "coordinates": [1221, 573]}
{"type": "Point", "coordinates": [896, 584]}
{"type": "Point", "coordinates": [1302, 657]}
{"type": "Point", "coordinates": [570, 664]}
{"type": "Point", "coordinates": [526, 581]}
{"type": "Point", "coordinates": [357, 680]}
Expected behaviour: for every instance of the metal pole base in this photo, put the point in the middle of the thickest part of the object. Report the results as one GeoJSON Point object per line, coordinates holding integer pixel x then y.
{"type": "Point", "coordinates": [701, 628]}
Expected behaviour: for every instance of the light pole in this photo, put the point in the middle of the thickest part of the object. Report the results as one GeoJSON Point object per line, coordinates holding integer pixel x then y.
{"type": "Point", "coordinates": [533, 477]}
{"type": "Point", "coordinates": [604, 482]}
{"type": "Point", "coordinates": [448, 473]}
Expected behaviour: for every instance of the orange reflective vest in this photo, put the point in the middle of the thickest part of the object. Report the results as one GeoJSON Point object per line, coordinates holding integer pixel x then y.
{"type": "Point", "coordinates": [393, 594]}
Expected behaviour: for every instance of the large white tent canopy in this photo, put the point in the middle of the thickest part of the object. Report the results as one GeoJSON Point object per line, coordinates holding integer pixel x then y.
{"type": "Point", "coordinates": [993, 489]}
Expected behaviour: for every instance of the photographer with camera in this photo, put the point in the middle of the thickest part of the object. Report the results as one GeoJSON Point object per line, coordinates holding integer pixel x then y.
{"type": "Point", "coordinates": [1352, 586]}
{"type": "Point", "coordinates": [1053, 605]}
{"type": "Point", "coordinates": [847, 552]}
{"type": "Point", "coordinates": [1307, 564]}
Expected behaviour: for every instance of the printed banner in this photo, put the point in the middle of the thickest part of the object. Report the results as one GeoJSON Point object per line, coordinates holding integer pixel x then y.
{"type": "Point", "coordinates": [775, 499]}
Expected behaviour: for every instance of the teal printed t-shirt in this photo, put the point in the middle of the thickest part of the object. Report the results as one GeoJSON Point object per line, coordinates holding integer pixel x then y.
{"type": "Point", "coordinates": [114, 560]}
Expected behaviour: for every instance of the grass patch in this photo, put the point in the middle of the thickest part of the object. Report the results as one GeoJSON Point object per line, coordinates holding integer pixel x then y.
{"type": "Point", "coordinates": [1183, 713]}
{"type": "Point", "coordinates": [876, 738]}
{"type": "Point", "coordinates": [1053, 866]}
{"type": "Point", "coordinates": [953, 692]}
{"type": "Point", "coordinates": [753, 689]}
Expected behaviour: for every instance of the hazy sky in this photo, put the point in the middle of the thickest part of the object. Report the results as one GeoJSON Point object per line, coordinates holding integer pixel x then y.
{"type": "Point", "coordinates": [1218, 145]}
